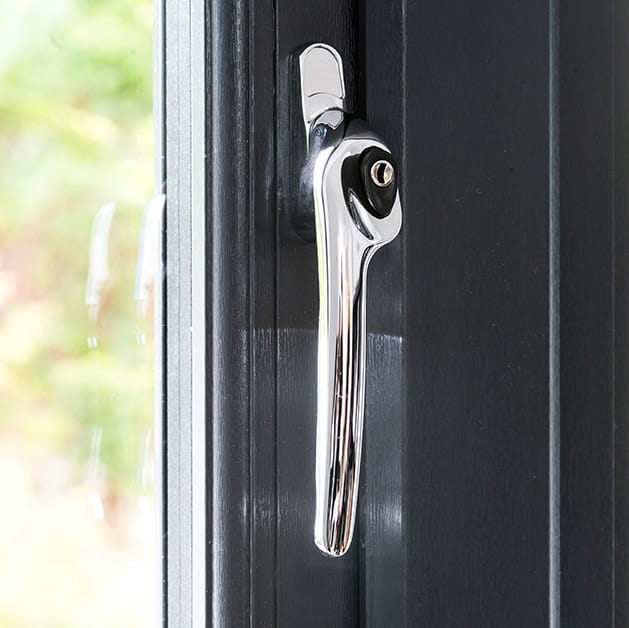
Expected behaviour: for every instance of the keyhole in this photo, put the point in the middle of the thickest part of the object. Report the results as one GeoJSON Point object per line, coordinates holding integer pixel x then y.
{"type": "Point", "coordinates": [382, 173]}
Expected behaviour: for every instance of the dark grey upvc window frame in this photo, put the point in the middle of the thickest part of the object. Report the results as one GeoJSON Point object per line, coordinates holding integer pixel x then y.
{"type": "Point", "coordinates": [230, 548]}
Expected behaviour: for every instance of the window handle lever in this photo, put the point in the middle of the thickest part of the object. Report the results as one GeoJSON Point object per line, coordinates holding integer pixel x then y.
{"type": "Point", "coordinates": [357, 210]}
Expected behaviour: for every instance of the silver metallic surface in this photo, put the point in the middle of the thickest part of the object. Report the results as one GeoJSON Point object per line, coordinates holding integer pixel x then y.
{"type": "Point", "coordinates": [181, 357]}
{"type": "Point", "coordinates": [382, 173]}
{"type": "Point", "coordinates": [347, 236]}
{"type": "Point", "coordinates": [322, 84]}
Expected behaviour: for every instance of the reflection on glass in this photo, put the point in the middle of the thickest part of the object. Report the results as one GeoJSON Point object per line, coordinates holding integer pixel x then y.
{"type": "Point", "coordinates": [78, 539]}
{"type": "Point", "coordinates": [98, 269]}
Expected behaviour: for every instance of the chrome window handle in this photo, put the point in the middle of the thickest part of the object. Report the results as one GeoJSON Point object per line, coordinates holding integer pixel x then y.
{"type": "Point", "coordinates": [357, 211]}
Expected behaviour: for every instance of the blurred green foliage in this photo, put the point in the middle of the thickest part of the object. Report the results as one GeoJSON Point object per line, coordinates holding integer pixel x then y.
{"type": "Point", "coordinates": [76, 132]}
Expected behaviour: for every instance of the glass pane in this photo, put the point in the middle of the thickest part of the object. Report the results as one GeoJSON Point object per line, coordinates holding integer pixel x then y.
{"type": "Point", "coordinates": [78, 255]}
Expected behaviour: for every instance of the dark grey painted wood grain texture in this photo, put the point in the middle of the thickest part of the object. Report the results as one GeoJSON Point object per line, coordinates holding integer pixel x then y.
{"type": "Point", "coordinates": [594, 106]}
{"type": "Point", "coordinates": [230, 218]}
{"type": "Point", "coordinates": [620, 182]}
{"type": "Point", "coordinates": [587, 313]}
{"type": "Point", "coordinates": [476, 318]}
{"type": "Point", "coordinates": [242, 259]}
